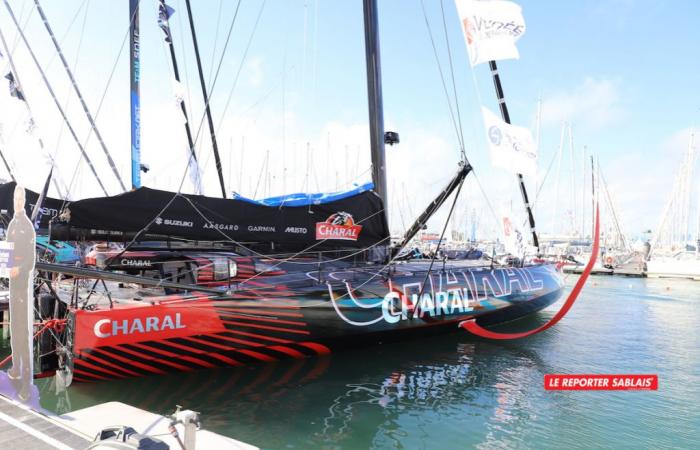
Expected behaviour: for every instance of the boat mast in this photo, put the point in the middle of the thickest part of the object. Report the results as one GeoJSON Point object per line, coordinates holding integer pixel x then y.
{"type": "Point", "coordinates": [163, 11]}
{"type": "Point", "coordinates": [73, 83]}
{"type": "Point", "coordinates": [374, 97]}
{"type": "Point", "coordinates": [506, 118]}
{"type": "Point", "coordinates": [135, 75]}
{"type": "Point", "coordinates": [206, 101]}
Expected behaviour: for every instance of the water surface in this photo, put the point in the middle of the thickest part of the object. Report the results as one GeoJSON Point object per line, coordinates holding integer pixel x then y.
{"type": "Point", "coordinates": [460, 391]}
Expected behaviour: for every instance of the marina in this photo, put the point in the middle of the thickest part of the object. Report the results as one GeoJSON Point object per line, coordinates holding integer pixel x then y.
{"type": "Point", "coordinates": [449, 224]}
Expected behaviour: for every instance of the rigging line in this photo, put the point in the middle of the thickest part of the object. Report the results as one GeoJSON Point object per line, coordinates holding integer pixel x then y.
{"type": "Point", "coordinates": [102, 99]}
{"type": "Point", "coordinates": [442, 77]}
{"type": "Point", "coordinates": [216, 77]}
{"type": "Point", "coordinates": [454, 84]}
{"type": "Point", "coordinates": [216, 41]}
{"type": "Point", "coordinates": [75, 65]}
{"type": "Point", "coordinates": [67, 101]}
{"type": "Point", "coordinates": [238, 73]}
{"type": "Point", "coordinates": [53, 96]}
{"type": "Point", "coordinates": [65, 34]}
{"type": "Point", "coordinates": [207, 109]}
{"type": "Point", "coordinates": [13, 70]}
{"type": "Point", "coordinates": [79, 94]}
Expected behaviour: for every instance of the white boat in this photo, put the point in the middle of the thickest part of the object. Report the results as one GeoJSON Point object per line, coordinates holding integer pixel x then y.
{"type": "Point", "coordinates": [684, 264]}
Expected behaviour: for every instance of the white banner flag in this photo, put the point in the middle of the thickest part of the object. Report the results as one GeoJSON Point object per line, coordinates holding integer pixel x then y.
{"type": "Point", "coordinates": [512, 147]}
{"type": "Point", "coordinates": [513, 238]}
{"type": "Point", "coordinates": [491, 29]}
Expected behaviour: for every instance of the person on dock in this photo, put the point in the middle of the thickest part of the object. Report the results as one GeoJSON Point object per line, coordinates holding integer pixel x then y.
{"type": "Point", "coordinates": [20, 232]}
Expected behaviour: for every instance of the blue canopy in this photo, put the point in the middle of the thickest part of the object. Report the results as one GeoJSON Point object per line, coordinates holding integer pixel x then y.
{"type": "Point", "coordinates": [304, 199]}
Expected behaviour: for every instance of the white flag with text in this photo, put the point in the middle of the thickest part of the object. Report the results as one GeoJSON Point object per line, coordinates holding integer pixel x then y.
{"type": "Point", "coordinates": [512, 147]}
{"type": "Point", "coordinates": [491, 29]}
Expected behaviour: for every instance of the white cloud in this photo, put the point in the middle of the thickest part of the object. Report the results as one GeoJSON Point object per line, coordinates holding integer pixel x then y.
{"type": "Point", "coordinates": [593, 104]}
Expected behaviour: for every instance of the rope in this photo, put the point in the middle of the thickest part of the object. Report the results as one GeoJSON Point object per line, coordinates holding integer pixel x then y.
{"type": "Point", "coordinates": [472, 326]}
{"type": "Point", "coordinates": [53, 324]}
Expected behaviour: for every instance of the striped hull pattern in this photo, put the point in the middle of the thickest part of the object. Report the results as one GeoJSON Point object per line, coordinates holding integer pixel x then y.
{"type": "Point", "coordinates": [267, 323]}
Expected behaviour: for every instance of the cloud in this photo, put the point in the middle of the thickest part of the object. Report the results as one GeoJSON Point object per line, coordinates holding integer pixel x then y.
{"type": "Point", "coordinates": [593, 104]}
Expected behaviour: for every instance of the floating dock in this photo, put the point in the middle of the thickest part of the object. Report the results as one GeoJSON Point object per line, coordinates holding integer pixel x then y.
{"type": "Point", "coordinates": [24, 428]}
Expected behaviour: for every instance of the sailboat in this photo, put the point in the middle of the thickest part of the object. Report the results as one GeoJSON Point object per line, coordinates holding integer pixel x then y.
{"type": "Point", "coordinates": [680, 258]}
{"type": "Point", "coordinates": [301, 279]}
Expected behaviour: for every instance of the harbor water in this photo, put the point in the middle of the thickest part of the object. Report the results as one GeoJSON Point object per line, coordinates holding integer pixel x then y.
{"type": "Point", "coordinates": [459, 391]}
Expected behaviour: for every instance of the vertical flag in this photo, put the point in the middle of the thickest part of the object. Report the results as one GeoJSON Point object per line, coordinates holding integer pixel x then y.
{"type": "Point", "coordinates": [15, 90]}
{"type": "Point", "coordinates": [513, 238]}
{"type": "Point", "coordinates": [195, 172]}
{"type": "Point", "coordinates": [512, 147]}
{"type": "Point", "coordinates": [164, 14]}
{"type": "Point", "coordinates": [491, 29]}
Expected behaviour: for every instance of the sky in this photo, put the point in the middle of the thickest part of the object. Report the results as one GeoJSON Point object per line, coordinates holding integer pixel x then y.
{"type": "Point", "coordinates": [290, 105]}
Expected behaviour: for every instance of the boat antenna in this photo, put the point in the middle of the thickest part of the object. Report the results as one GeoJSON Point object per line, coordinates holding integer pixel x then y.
{"type": "Point", "coordinates": [374, 97]}
{"type": "Point", "coordinates": [135, 81]}
{"type": "Point", "coordinates": [206, 101]}
{"type": "Point", "coordinates": [112, 165]}
{"type": "Point", "coordinates": [506, 118]}
{"type": "Point", "coordinates": [51, 92]}
{"type": "Point", "coordinates": [7, 166]}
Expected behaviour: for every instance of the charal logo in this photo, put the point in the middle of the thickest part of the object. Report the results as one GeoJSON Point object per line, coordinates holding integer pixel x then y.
{"type": "Point", "coordinates": [340, 225]}
{"type": "Point", "coordinates": [174, 223]}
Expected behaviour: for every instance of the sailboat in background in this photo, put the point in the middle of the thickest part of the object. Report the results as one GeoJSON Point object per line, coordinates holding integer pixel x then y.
{"type": "Point", "coordinates": [673, 253]}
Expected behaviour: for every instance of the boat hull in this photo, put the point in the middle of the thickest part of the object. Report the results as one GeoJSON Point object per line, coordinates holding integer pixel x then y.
{"type": "Point", "coordinates": [276, 321]}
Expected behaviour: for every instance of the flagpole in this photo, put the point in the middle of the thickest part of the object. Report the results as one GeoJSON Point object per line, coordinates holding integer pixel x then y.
{"type": "Point", "coordinates": [506, 118]}
{"type": "Point", "coordinates": [73, 83]}
{"type": "Point", "coordinates": [51, 92]}
{"type": "Point", "coordinates": [169, 39]}
{"type": "Point", "coordinates": [206, 101]}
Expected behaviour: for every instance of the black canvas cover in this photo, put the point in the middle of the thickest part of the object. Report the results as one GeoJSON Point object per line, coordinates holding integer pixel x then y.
{"type": "Point", "coordinates": [49, 208]}
{"type": "Point", "coordinates": [357, 221]}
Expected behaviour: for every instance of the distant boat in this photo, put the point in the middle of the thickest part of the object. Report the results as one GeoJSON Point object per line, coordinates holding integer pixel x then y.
{"type": "Point", "coordinates": [684, 264]}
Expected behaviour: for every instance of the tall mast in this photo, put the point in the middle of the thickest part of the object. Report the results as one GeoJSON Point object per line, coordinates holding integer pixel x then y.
{"type": "Point", "coordinates": [374, 97]}
{"type": "Point", "coordinates": [73, 83]}
{"type": "Point", "coordinates": [506, 118]}
{"type": "Point", "coordinates": [135, 75]}
{"type": "Point", "coordinates": [206, 101]}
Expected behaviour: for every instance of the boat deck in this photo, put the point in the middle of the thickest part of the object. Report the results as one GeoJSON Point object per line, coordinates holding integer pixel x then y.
{"type": "Point", "coordinates": [23, 428]}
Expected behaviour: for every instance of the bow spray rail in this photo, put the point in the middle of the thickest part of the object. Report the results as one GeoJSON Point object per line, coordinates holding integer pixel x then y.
{"type": "Point", "coordinates": [473, 327]}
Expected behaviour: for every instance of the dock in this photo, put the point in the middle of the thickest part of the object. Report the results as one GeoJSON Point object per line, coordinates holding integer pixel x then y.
{"type": "Point", "coordinates": [24, 427]}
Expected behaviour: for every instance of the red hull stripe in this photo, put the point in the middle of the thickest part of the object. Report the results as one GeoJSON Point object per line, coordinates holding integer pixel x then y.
{"type": "Point", "coordinates": [135, 354]}
{"type": "Point", "coordinates": [257, 355]}
{"type": "Point", "coordinates": [220, 337]}
{"type": "Point", "coordinates": [183, 354]}
{"type": "Point", "coordinates": [90, 354]}
{"type": "Point", "coordinates": [264, 327]}
{"type": "Point", "coordinates": [129, 359]}
{"type": "Point", "coordinates": [94, 360]}
{"type": "Point", "coordinates": [263, 319]}
{"type": "Point", "coordinates": [318, 348]}
{"type": "Point", "coordinates": [82, 372]}
{"type": "Point", "coordinates": [95, 369]}
{"type": "Point", "coordinates": [160, 359]}
{"type": "Point", "coordinates": [254, 335]}
{"type": "Point", "coordinates": [120, 360]}
{"type": "Point", "coordinates": [289, 351]}
{"type": "Point", "coordinates": [266, 311]}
